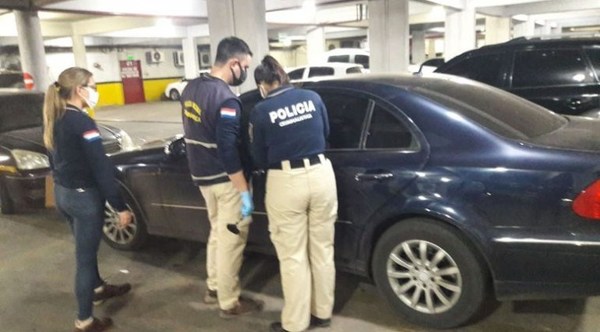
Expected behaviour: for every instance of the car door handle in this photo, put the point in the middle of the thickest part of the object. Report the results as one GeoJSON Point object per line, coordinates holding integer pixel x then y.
{"type": "Point", "coordinates": [373, 176]}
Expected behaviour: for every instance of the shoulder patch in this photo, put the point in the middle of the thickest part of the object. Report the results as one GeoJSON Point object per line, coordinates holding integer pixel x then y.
{"type": "Point", "coordinates": [227, 112]}
{"type": "Point", "coordinates": [91, 135]}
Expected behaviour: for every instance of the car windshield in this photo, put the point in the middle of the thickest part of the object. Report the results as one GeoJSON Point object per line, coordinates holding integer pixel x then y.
{"type": "Point", "coordinates": [20, 110]}
{"type": "Point", "coordinates": [495, 109]}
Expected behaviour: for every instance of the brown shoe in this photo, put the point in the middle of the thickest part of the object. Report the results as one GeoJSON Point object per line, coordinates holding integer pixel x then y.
{"type": "Point", "coordinates": [243, 307]}
{"type": "Point", "coordinates": [110, 291]}
{"type": "Point", "coordinates": [97, 325]}
{"type": "Point", "coordinates": [211, 296]}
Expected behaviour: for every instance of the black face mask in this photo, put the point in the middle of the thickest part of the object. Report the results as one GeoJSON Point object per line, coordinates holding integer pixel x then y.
{"type": "Point", "coordinates": [237, 81]}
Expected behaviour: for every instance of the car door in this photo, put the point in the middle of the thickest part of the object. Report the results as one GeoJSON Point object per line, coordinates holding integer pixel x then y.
{"type": "Point", "coordinates": [558, 79]}
{"type": "Point", "coordinates": [181, 205]}
{"type": "Point", "coordinates": [375, 154]}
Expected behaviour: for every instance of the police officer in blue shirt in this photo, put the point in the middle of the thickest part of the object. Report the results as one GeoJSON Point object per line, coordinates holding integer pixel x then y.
{"type": "Point", "coordinates": [84, 180]}
{"type": "Point", "coordinates": [288, 130]}
{"type": "Point", "coordinates": [211, 120]}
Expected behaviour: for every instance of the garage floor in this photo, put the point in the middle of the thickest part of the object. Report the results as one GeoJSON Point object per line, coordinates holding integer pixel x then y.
{"type": "Point", "coordinates": [37, 266]}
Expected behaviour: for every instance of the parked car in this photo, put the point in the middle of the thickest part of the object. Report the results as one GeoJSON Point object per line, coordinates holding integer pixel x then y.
{"type": "Point", "coordinates": [348, 55]}
{"type": "Point", "coordinates": [451, 193]}
{"type": "Point", "coordinates": [15, 79]}
{"type": "Point", "coordinates": [559, 74]}
{"type": "Point", "coordinates": [173, 90]}
{"type": "Point", "coordinates": [327, 69]}
{"type": "Point", "coordinates": [427, 66]}
{"type": "Point", "coordinates": [24, 164]}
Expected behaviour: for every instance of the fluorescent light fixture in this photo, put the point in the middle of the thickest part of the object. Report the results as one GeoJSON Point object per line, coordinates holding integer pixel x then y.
{"type": "Point", "coordinates": [521, 17]}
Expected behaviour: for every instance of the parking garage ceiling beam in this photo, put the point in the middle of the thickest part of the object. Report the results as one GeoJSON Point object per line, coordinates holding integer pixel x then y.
{"type": "Point", "coordinates": [540, 7]}
{"type": "Point", "coordinates": [111, 24]}
{"type": "Point", "coordinates": [452, 4]}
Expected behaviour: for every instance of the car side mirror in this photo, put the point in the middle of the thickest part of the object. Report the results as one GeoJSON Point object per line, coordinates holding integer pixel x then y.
{"type": "Point", "coordinates": [175, 149]}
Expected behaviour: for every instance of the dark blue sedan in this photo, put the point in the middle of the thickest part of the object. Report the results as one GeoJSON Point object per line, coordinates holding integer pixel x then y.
{"type": "Point", "coordinates": [451, 194]}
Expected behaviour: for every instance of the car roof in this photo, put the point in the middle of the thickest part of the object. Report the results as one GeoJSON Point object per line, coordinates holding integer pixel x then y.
{"type": "Point", "coordinates": [538, 41]}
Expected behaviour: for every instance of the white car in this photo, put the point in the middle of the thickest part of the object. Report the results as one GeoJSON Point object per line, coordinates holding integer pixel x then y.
{"type": "Point", "coordinates": [427, 66]}
{"type": "Point", "coordinates": [173, 90]}
{"type": "Point", "coordinates": [348, 55]}
{"type": "Point", "coordinates": [326, 69]}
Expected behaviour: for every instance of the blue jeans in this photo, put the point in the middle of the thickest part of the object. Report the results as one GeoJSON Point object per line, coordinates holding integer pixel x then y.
{"type": "Point", "coordinates": [84, 211]}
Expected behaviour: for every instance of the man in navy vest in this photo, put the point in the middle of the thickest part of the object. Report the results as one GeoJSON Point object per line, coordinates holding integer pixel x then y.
{"type": "Point", "coordinates": [211, 120]}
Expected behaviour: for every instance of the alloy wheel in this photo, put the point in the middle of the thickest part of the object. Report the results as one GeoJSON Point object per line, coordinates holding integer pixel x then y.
{"type": "Point", "coordinates": [112, 230]}
{"type": "Point", "coordinates": [424, 276]}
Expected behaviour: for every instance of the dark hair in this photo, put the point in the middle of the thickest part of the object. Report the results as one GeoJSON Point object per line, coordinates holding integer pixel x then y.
{"type": "Point", "coordinates": [231, 47]}
{"type": "Point", "coordinates": [270, 71]}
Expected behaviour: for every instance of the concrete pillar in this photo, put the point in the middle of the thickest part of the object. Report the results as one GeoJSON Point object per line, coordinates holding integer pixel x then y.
{"type": "Point", "coordinates": [545, 30]}
{"type": "Point", "coordinates": [388, 35]}
{"type": "Point", "coordinates": [524, 29]}
{"type": "Point", "coordinates": [79, 51]}
{"type": "Point", "coordinates": [190, 57]}
{"type": "Point", "coordinates": [497, 30]}
{"type": "Point", "coordinates": [557, 30]}
{"type": "Point", "coordinates": [315, 45]}
{"type": "Point", "coordinates": [31, 48]}
{"type": "Point", "coordinates": [460, 31]}
{"type": "Point", "coordinates": [418, 47]}
{"type": "Point", "coordinates": [244, 19]}
{"type": "Point", "coordinates": [431, 52]}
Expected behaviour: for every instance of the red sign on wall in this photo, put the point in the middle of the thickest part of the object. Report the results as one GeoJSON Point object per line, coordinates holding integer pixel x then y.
{"type": "Point", "coordinates": [133, 84]}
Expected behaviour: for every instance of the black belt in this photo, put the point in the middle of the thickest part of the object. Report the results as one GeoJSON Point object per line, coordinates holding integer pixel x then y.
{"type": "Point", "coordinates": [298, 163]}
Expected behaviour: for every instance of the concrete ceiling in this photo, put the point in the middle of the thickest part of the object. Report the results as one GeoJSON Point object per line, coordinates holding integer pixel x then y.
{"type": "Point", "coordinates": [125, 21]}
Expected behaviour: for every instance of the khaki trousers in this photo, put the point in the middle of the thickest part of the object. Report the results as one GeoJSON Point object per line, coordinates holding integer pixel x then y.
{"type": "Point", "coordinates": [302, 208]}
{"type": "Point", "coordinates": [224, 250]}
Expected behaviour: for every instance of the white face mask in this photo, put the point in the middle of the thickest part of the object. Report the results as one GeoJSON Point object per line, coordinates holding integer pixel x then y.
{"type": "Point", "coordinates": [93, 97]}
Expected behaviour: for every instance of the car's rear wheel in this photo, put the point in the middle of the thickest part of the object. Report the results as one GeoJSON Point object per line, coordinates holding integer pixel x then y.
{"type": "Point", "coordinates": [429, 274]}
{"type": "Point", "coordinates": [7, 206]}
{"type": "Point", "coordinates": [131, 237]}
{"type": "Point", "coordinates": [174, 94]}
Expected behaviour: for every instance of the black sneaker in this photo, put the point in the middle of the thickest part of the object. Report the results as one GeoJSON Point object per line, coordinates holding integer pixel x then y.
{"type": "Point", "coordinates": [319, 322]}
{"type": "Point", "coordinates": [276, 327]}
{"type": "Point", "coordinates": [110, 291]}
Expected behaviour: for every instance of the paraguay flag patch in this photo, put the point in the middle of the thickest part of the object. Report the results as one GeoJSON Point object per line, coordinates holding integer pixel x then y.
{"type": "Point", "coordinates": [91, 135]}
{"type": "Point", "coordinates": [228, 112]}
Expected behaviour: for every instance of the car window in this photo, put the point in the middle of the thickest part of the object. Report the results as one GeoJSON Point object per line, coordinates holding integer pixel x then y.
{"type": "Point", "coordinates": [362, 60]}
{"type": "Point", "coordinates": [346, 117]}
{"type": "Point", "coordinates": [296, 74]}
{"type": "Point", "coordinates": [354, 70]}
{"type": "Point", "coordinates": [338, 58]}
{"type": "Point", "coordinates": [483, 68]}
{"type": "Point", "coordinates": [22, 110]}
{"type": "Point", "coordinates": [594, 55]}
{"type": "Point", "coordinates": [550, 67]}
{"type": "Point", "coordinates": [499, 111]}
{"type": "Point", "coordinates": [11, 80]}
{"type": "Point", "coordinates": [320, 71]}
{"type": "Point", "coordinates": [387, 131]}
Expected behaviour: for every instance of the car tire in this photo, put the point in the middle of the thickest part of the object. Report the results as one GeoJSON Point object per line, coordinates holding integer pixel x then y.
{"type": "Point", "coordinates": [430, 274]}
{"type": "Point", "coordinates": [133, 236]}
{"type": "Point", "coordinates": [7, 206]}
{"type": "Point", "coordinates": [174, 94]}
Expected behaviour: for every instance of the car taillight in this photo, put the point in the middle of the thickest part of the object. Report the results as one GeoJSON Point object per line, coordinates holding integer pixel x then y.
{"type": "Point", "coordinates": [28, 80]}
{"type": "Point", "coordinates": [587, 203]}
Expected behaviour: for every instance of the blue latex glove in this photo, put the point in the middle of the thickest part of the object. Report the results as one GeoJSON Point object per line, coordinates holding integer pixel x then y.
{"type": "Point", "coordinates": [247, 204]}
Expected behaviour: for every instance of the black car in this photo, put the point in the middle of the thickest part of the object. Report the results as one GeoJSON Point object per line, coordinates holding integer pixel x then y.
{"type": "Point", "coordinates": [24, 164]}
{"type": "Point", "coordinates": [559, 74]}
{"type": "Point", "coordinates": [451, 193]}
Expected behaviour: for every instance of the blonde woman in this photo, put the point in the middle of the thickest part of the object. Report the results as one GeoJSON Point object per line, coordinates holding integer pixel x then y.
{"type": "Point", "coordinates": [84, 180]}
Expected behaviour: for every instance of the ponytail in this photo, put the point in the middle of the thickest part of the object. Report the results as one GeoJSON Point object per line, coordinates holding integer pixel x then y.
{"type": "Point", "coordinates": [55, 101]}
{"type": "Point", "coordinates": [270, 71]}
